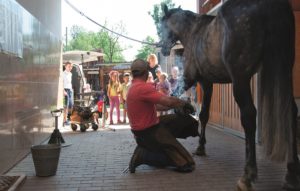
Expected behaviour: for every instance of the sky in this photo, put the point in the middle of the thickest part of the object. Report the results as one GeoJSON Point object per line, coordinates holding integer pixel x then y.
{"type": "Point", "coordinates": [132, 13]}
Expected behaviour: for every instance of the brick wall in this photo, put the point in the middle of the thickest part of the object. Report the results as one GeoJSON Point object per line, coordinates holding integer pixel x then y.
{"type": "Point", "coordinates": [295, 4]}
{"type": "Point", "coordinates": [206, 5]}
{"type": "Point", "coordinates": [297, 61]}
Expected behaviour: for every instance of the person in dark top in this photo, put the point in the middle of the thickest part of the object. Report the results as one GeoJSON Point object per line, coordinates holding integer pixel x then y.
{"type": "Point", "coordinates": [153, 65]}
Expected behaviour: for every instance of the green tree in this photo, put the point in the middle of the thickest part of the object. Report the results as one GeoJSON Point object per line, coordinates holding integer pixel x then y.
{"type": "Point", "coordinates": [114, 47]}
{"type": "Point", "coordinates": [157, 13]}
{"type": "Point", "coordinates": [103, 39]}
{"type": "Point", "coordinates": [146, 49]}
{"type": "Point", "coordinates": [80, 39]}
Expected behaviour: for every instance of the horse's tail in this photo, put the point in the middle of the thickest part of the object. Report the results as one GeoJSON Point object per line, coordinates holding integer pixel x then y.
{"type": "Point", "coordinates": [277, 101]}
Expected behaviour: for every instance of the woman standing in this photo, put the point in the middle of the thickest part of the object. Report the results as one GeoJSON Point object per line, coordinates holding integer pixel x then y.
{"type": "Point", "coordinates": [153, 65]}
{"type": "Point", "coordinates": [113, 91]}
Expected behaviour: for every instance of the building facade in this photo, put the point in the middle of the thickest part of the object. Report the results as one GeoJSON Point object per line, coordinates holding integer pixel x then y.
{"type": "Point", "coordinates": [30, 62]}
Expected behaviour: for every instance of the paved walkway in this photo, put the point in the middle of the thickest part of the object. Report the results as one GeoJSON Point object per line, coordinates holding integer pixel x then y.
{"type": "Point", "coordinates": [96, 160]}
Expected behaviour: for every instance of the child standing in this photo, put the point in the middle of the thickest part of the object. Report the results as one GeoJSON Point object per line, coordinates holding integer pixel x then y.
{"type": "Point", "coordinates": [123, 91]}
{"type": "Point", "coordinates": [150, 78]}
{"type": "Point", "coordinates": [68, 92]}
{"type": "Point", "coordinates": [113, 90]}
{"type": "Point", "coordinates": [164, 87]}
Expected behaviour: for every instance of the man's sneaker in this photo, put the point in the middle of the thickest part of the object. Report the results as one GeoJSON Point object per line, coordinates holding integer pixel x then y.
{"type": "Point", "coordinates": [136, 159]}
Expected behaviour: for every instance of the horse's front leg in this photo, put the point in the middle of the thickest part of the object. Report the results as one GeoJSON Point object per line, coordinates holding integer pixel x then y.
{"type": "Point", "coordinates": [242, 95]}
{"type": "Point", "coordinates": [292, 178]}
{"type": "Point", "coordinates": [204, 116]}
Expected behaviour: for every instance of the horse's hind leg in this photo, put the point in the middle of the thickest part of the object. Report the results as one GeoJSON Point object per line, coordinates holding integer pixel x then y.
{"type": "Point", "coordinates": [292, 178]}
{"type": "Point", "coordinates": [242, 95]}
{"type": "Point", "coordinates": [203, 116]}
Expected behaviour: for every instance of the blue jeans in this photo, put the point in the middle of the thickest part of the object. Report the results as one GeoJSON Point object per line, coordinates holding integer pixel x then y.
{"type": "Point", "coordinates": [69, 99]}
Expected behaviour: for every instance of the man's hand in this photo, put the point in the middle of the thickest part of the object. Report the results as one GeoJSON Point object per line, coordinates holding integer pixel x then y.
{"type": "Point", "coordinates": [181, 107]}
{"type": "Point", "coordinates": [186, 109]}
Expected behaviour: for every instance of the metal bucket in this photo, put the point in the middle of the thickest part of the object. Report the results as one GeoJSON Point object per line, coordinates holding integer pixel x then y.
{"type": "Point", "coordinates": [45, 159]}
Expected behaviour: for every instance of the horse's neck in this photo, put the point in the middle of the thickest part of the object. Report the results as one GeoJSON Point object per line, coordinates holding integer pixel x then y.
{"type": "Point", "coordinates": [194, 26]}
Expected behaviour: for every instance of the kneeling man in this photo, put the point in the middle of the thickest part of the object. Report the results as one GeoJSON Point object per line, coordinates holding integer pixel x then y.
{"type": "Point", "coordinates": [156, 136]}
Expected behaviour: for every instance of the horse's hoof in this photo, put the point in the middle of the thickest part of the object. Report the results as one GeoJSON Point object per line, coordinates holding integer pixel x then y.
{"type": "Point", "coordinates": [200, 151]}
{"type": "Point", "coordinates": [243, 186]}
{"type": "Point", "coordinates": [251, 173]}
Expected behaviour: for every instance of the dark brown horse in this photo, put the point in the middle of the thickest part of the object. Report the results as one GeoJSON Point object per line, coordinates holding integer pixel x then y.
{"type": "Point", "coordinates": [245, 37]}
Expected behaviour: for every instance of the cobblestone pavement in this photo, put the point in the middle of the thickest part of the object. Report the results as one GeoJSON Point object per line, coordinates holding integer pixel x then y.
{"type": "Point", "coordinates": [96, 161]}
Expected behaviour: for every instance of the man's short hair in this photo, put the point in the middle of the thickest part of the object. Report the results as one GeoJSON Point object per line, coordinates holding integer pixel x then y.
{"type": "Point", "coordinates": [68, 62]}
{"type": "Point", "coordinates": [139, 67]}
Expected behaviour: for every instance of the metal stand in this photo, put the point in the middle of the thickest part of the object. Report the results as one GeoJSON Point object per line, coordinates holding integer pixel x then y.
{"type": "Point", "coordinates": [56, 137]}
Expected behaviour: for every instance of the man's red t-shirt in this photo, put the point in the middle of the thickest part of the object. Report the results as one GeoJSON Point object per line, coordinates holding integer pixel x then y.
{"type": "Point", "coordinates": [141, 100]}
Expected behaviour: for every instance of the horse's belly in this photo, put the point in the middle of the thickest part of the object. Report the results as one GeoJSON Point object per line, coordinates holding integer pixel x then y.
{"type": "Point", "coordinates": [215, 73]}
{"type": "Point", "coordinates": [211, 65]}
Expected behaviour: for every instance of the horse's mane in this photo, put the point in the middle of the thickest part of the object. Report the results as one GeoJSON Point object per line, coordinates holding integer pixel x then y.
{"type": "Point", "coordinates": [191, 15]}
{"type": "Point", "coordinates": [198, 19]}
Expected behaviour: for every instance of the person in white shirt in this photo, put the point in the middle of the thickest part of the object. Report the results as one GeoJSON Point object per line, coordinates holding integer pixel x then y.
{"type": "Point", "coordinates": [68, 91]}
